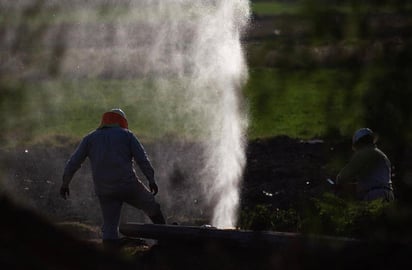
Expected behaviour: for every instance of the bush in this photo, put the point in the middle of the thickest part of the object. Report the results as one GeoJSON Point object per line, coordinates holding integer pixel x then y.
{"type": "Point", "coordinates": [264, 217]}
{"type": "Point", "coordinates": [332, 215]}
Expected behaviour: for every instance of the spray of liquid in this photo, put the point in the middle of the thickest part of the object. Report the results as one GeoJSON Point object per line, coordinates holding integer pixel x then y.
{"type": "Point", "coordinates": [198, 42]}
{"type": "Point", "coordinates": [183, 64]}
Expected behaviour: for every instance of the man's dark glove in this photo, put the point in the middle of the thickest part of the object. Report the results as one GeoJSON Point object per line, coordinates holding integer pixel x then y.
{"type": "Point", "coordinates": [153, 188]}
{"type": "Point", "coordinates": [64, 192]}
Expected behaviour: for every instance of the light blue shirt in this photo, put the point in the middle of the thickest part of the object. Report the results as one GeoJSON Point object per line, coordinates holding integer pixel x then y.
{"type": "Point", "coordinates": [111, 151]}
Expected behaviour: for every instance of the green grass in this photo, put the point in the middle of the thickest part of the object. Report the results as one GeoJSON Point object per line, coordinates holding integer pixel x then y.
{"type": "Point", "coordinates": [74, 108]}
{"type": "Point", "coordinates": [275, 8]}
{"type": "Point", "coordinates": [298, 103]}
{"type": "Point", "coordinates": [39, 15]}
{"type": "Point", "coordinates": [300, 7]}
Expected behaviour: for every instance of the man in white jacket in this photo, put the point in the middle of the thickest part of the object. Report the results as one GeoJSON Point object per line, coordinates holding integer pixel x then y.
{"type": "Point", "coordinates": [369, 168]}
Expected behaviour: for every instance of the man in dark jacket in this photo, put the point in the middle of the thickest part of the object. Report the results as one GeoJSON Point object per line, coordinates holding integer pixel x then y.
{"type": "Point", "coordinates": [369, 167]}
{"type": "Point", "coordinates": [111, 150]}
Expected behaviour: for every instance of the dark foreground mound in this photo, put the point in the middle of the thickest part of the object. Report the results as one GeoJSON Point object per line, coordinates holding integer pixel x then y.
{"type": "Point", "coordinates": [29, 242]}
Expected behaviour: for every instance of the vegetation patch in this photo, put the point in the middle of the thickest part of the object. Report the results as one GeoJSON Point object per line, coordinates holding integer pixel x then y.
{"type": "Point", "coordinates": [274, 7]}
{"type": "Point", "coordinates": [298, 103]}
{"type": "Point", "coordinates": [335, 216]}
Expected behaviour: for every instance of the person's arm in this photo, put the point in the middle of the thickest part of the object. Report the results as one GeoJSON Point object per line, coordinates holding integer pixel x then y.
{"type": "Point", "coordinates": [72, 165]}
{"type": "Point", "coordinates": [355, 166]}
{"type": "Point", "coordinates": [142, 160]}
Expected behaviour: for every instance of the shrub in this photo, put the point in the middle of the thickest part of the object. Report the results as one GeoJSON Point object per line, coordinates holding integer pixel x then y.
{"type": "Point", "coordinates": [331, 215]}
{"type": "Point", "coordinates": [342, 217]}
{"type": "Point", "coordinates": [264, 217]}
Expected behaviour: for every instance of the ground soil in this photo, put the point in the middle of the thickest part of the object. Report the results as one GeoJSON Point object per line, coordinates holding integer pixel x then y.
{"type": "Point", "coordinates": [280, 172]}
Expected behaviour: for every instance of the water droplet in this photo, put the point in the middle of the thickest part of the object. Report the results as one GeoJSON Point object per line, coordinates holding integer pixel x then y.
{"type": "Point", "coordinates": [267, 193]}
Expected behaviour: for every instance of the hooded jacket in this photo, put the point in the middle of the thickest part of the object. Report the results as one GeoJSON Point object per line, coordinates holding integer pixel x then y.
{"type": "Point", "coordinates": [111, 149]}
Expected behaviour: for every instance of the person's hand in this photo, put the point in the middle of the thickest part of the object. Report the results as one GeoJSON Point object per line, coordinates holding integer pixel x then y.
{"type": "Point", "coordinates": [64, 192]}
{"type": "Point", "coordinates": [153, 188]}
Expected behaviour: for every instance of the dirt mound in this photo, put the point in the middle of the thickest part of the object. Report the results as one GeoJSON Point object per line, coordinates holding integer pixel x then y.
{"type": "Point", "coordinates": [284, 172]}
{"type": "Point", "coordinates": [30, 242]}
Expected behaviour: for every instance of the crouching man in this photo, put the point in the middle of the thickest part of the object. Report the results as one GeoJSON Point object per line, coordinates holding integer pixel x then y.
{"type": "Point", "coordinates": [369, 167]}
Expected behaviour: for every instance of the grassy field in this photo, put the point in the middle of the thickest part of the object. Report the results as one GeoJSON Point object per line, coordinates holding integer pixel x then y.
{"type": "Point", "coordinates": [74, 108]}
{"type": "Point", "coordinates": [296, 7]}
{"type": "Point", "coordinates": [274, 8]}
{"type": "Point", "coordinates": [291, 103]}
{"type": "Point", "coordinates": [289, 92]}
{"type": "Point", "coordinates": [325, 69]}
{"type": "Point", "coordinates": [297, 103]}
